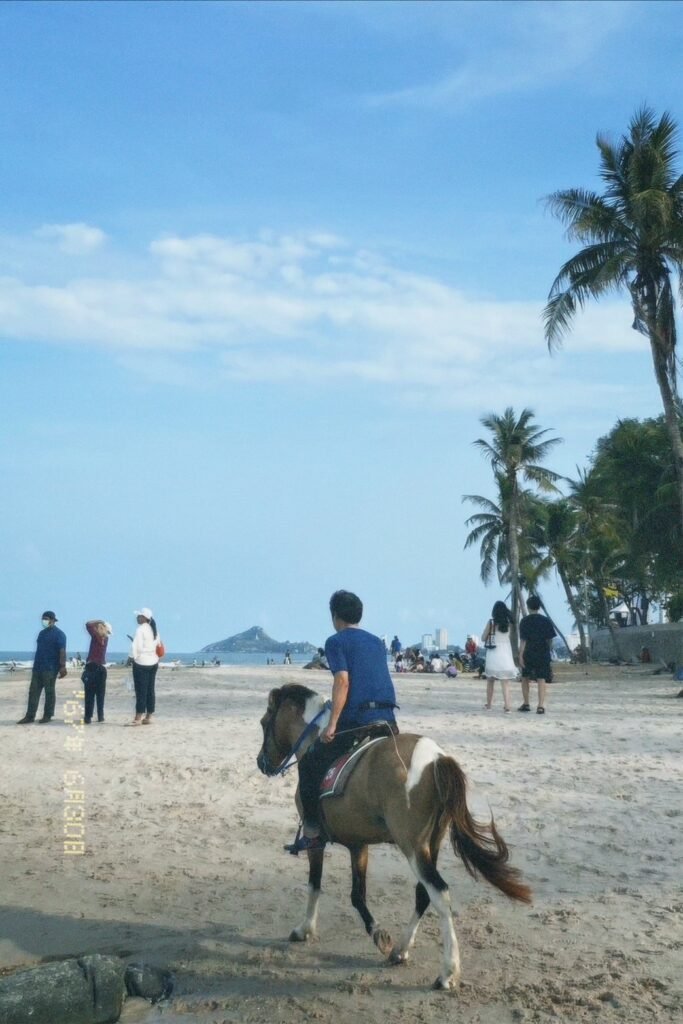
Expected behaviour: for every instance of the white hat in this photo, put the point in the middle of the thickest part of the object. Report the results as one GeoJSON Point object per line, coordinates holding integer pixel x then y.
{"type": "Point", "coordinates": [107, 626]}
{"type": "Point", "coordinates": [146, 613]}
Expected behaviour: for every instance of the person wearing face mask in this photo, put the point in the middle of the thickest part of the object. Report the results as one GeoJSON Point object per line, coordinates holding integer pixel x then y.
{"type": "Point", "coordinates": [49, 662]}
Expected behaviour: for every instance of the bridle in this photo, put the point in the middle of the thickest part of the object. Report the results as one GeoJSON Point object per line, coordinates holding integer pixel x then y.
{"type": "Point", "coordinates": [290, 758]}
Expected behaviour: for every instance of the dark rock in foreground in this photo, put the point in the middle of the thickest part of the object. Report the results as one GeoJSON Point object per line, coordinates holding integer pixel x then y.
{"type": "Point", "coordinates": [82, 990]}
{"type": "Point", "coordinates": [85, 990]}
{"type": "Point", "coordinates": [148, 982]}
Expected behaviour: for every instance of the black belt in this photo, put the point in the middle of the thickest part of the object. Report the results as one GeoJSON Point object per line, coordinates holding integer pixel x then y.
{"type": "Point", "coordinates": [372, 705]}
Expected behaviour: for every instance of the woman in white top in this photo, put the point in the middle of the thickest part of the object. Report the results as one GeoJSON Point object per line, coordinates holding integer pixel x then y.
{"type": "Point", "coordinates": [500, 663]}
{"type": "Point", "coordinates": [145, 665]}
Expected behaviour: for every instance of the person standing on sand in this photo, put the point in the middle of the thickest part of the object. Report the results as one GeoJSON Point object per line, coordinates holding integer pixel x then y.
{"type": "Point", "coordinates": [49, 662]}
{"type": "Point", "coordinates": [95, 673]}
{"type": "Point", "coordinates": [535, 633]}
{"type": "Point", "coordinates": [363, 702]}
{"type": "Point", "coordinates": [145, 665]}
{"type": "Point", "coordinates": [500, 663]}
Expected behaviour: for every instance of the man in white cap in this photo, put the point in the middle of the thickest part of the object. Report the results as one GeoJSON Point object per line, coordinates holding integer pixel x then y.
{"type": "Point", "coordinates": [95, 673]}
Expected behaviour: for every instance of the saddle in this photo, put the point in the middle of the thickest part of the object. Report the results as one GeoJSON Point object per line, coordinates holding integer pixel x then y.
{"type": "Point", "coordinates": [339, 773]}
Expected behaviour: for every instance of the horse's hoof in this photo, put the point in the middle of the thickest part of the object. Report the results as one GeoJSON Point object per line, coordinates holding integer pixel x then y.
{"type": "Point", "coordinates": [383, 941]}
{"type": "Point", "coordinates": [397, 959]}
{"type": "Point", "coordinates": [444, 984]}
{"type": "Point", "coordinates": [298, 935]}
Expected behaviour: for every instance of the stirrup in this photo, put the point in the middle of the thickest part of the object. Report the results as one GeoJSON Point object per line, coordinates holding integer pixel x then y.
{"type": "Point", "coordinates": [302, 844]}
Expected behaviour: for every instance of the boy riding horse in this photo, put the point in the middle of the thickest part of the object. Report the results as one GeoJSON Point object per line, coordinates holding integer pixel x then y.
{"type": "Point", "coordinates": [363, 702]}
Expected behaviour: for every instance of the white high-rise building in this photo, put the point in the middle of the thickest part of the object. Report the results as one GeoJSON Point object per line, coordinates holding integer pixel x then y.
{"type": "Point", "coordinates": [441, 639]}
{"type": "Point", "coordinates": [427, 642]}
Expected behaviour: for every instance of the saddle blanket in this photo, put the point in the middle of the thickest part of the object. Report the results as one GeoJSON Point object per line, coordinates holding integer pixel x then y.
{"type": "Point", "coordinates": [334, 782]}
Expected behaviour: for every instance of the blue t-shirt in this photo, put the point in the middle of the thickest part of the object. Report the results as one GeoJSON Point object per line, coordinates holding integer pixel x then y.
{"type": "Point", "coordinates": [364, 657]}
{"type": "Point", "coordinates": [50, 642]}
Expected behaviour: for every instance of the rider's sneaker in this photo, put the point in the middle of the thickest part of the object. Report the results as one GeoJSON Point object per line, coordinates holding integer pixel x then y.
{"type": "Point", "coordinates": [302, 844]}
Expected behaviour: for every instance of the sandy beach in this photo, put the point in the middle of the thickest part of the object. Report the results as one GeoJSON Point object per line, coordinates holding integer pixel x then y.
{"type": "Point", "coordinates": [183, 863]}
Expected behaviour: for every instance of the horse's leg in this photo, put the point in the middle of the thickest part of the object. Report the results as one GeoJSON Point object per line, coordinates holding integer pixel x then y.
{"type": "Point", "coordinates": [309, 928]}
{"type": "Point", "coordinates": [424, 868]}
{"type": "Point", "coordinates": [401, 952]}
{"type": "Point", "coordinates": [359, 867]}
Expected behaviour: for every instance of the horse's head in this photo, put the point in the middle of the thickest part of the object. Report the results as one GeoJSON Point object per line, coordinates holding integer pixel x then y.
{"type": "Point", "coordinates": [283, 723]}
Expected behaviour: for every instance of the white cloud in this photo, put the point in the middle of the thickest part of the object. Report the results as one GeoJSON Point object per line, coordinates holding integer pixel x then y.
{"type": "Point", "coordinates": [528, 46]}
{"type": "Point", "coordinates": [74, 239]}
{"type": "Point", "coordinates": [302, 307]}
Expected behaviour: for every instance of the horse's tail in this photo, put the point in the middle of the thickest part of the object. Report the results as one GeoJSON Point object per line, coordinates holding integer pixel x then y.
{"type": "Point", "coordinates": [481, 848]}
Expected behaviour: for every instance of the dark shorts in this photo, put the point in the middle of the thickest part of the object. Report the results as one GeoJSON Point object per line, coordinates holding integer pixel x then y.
{"type": "Point", "coordinates": [538, 670]}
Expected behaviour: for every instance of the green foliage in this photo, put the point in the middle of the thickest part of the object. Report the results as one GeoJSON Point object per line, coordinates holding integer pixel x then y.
{"type": "Point", "coordinates": [633, 241]}
{"type": "Point", "coordinates": [515, 447]}
{"type": "Point", "coordinates": [675, 607]}
{"type": "Point", "coordinates": [635, 473]}
{"type": "Point", "coordinates": [633, 233]}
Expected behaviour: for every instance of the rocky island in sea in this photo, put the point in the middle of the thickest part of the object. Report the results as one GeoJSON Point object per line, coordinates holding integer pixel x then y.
{"type": "Point", "coordinates": [257, 641]}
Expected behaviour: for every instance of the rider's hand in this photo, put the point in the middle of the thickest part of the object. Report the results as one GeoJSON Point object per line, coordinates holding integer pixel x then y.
{"type": "Point", "coordinates": [328, 733]}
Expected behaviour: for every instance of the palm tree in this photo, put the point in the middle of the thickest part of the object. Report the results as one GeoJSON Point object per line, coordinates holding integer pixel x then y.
{"type": "Point", "coordinates": [515, 450]}
{"type": "Point", "coordinates": [633, 238]}
{"type": "Point", "coordinates": [598, 533]}
{"type": "Point", "coordinates": [488, 529]}
{"type": "Point", "coordinates": [557, 532]}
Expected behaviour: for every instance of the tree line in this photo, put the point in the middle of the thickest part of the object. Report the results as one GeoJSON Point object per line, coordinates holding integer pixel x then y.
{"type": "Point", "coordinates": [617, 528]}
{"type": "Point", "coordinates": [612, 532]}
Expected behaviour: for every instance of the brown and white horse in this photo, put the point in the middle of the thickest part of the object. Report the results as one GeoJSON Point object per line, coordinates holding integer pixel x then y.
{"type": "Point", "coordinates": [405, 791]}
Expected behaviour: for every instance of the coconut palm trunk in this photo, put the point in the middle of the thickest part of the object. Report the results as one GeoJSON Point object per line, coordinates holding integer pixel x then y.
{"type": "Point", "coordinates": [513, 554]}
{"type": "Point", "coordinates": [613, 629]}
{"type": "Point", "coordinates": [665, 374]}
{"type": "Point", "coordinates": [575, 610]}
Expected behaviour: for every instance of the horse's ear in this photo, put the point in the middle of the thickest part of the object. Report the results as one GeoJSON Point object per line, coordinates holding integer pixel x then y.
{"type": "Point", "coordinates": [273, 699]}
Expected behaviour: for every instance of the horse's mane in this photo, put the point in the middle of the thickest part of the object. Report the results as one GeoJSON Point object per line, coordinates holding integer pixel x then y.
{"type": "Point", "coordinates": [297, 694]}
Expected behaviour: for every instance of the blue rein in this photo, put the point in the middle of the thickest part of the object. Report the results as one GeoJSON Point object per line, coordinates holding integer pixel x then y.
{"type": "Point", "coordinates": [290, 759]}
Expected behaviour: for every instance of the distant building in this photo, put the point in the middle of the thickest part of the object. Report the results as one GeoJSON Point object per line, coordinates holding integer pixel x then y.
{"type": "Point", "coordinates": [427, 642]}
{"type": "Point", "coordinates": [441, 639]}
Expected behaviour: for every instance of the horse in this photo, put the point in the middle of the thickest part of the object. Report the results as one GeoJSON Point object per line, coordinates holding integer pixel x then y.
{"type": "Point", "coordinates": [406, 791]}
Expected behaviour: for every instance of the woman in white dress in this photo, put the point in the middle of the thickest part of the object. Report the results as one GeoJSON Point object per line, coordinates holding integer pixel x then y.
{"type": "Point", "coordinates": [500, 663]}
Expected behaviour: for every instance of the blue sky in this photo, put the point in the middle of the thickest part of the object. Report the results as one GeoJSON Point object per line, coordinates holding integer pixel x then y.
{"type": "Point", "coordinates": [262, 269]}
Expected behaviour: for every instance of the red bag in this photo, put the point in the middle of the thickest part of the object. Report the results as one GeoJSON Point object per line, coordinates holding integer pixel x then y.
{"type": "Point", "coordinates": [160, 649]}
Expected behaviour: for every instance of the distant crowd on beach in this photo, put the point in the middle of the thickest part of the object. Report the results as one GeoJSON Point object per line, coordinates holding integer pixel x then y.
{"type": "Point", "coordinates": [459, 659]}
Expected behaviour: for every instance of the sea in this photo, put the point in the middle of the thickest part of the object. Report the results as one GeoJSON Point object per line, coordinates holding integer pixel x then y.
{"type": "Point", "coordinates": [24, 659]}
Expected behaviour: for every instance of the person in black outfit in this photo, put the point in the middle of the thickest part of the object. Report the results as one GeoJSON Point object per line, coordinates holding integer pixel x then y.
{"type": "Point", "coordinates": [535, 633]}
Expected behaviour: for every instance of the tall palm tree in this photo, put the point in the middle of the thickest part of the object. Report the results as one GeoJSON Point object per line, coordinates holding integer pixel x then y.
{"type": "Point", "coordinates": [633, 238]}
{"type": "Point", "coordinates": [515, 450]}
